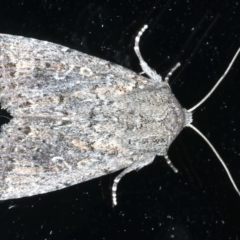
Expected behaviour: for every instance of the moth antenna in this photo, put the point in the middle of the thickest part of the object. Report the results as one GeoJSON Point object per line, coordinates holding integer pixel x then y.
{"type": "Point", "coordinates": [146, 69]}
{"type": "Point", "coordinates": [216, 85]}
{"type": "Point", "coordinates": [197, 131]}
{"type": "Point", "coordinates": [217, 155]}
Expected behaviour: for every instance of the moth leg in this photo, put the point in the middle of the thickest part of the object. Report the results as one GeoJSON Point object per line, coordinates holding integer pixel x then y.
{"type": "Point", "coordinates": [170, 163]}
{"type": "Point", "coordinates": [146, 69]}
{"type": "Point", "coordinates": [146, 159]}
{"type": "Point", "coordinates": [171, 72]}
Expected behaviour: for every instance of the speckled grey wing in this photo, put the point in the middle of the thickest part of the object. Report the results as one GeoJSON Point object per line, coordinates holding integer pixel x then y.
{"type": "Point", "coordinates": [74, 117]}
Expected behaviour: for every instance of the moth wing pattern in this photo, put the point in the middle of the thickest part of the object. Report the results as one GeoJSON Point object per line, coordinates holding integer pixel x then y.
{"type": "Point", "coordinates": [75, 117]}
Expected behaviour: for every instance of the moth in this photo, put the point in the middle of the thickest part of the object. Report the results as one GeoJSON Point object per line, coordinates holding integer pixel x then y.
{"type": "Point", "coordinates": [77, 117]}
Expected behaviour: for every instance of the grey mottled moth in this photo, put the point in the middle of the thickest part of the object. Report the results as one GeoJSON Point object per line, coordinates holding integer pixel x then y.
{"type": "Point", "coordinates": [78, 117]}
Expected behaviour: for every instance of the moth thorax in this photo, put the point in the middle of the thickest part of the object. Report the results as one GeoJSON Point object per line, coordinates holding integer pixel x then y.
{"type": "Point", "coordinates": [188, 117]}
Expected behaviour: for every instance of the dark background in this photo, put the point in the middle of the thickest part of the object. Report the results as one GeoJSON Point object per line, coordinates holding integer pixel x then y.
{"type": "Point", "coordinates": [154, 203]}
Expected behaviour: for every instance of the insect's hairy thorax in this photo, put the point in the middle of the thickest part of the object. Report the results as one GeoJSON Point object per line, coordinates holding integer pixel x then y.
{"type": "Point", "coordinates": [154, 116]}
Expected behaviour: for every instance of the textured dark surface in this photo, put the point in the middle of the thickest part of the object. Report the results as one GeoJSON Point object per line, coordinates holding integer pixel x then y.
{"type": "Point", "coordinates": [154, 203]}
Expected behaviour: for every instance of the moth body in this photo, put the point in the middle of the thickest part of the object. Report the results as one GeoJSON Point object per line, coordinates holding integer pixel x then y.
{"type": "Point", "coordinates": [77, 117]}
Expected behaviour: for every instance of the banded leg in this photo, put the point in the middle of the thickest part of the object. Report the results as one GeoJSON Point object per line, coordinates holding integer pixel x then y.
{"type": "Point", "coordinates": [171, 72]}
{"type": "Point", "coordinates": [146, 159]}
{"type": "Point", "coordinates": [146, 69]}
{"type": "Point", "coordinates": [170, 163]}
